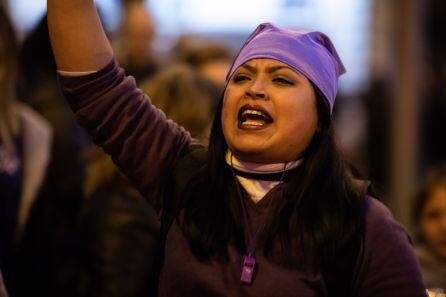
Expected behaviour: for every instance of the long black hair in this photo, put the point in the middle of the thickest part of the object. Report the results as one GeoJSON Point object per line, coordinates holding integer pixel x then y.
{"type": "Point", "coordinates": [319, 218]}
{"type": "Point", "coordinates": [8, 77]}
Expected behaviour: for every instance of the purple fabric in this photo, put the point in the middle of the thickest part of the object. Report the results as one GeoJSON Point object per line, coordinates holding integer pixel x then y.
{"type": "Point", "coordinates": [142, 147]}
{"type": "Point", "coordinates": [310, 52]}
{"type": "Point", "coordinates": [146, 145]}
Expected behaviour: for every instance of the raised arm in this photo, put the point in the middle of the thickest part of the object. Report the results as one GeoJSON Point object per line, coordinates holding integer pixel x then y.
{"type": "Point", "coordinates": [118, 116]}
{"type": "Point", "coordinates": [77, 37]}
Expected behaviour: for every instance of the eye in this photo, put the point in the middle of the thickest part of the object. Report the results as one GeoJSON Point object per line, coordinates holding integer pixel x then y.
{"type": "Point", "coordinates": [240, 77]}
{"type": "Point", "coordinates": [283, 81]}
{"type": "Point", "coordinates": [433, 215]}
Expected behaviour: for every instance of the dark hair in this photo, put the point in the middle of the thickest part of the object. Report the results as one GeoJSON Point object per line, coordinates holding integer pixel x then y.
{"type": "Point", "coordinates": [8, 75]}
{"type": "Point", "coordinates": [319, 218]}
{"type": "Point", "coordinates": [435, 178]}
{"type": "Point", "coordinates": [210, 52]}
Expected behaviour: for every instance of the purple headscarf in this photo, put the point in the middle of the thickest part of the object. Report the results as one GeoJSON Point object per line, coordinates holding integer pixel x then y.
{"type": "Point", "coordinates": [310, 52]}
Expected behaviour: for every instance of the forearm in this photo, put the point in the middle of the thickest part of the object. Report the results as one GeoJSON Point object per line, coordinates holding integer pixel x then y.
{"type": "Point", "coordinates": [77, 37]}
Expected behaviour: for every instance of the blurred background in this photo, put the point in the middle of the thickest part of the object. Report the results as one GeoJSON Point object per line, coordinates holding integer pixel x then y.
{"type": "Point", "coordinates": [391, 106]}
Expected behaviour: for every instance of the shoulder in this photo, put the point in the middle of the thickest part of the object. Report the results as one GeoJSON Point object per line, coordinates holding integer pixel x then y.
{"type": "Point", "coordinates": [388, 265]}
{"type": "Point", "coordinates": [384, 235]}
{"type": "Point", "coordinates": [31, 119]}
{"type": "Point", "coordinates": [380, 222]}
{"type": "Point", "coordinates": [36, 131]}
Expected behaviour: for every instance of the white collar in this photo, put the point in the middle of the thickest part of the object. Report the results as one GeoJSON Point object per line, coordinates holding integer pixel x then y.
{"type": "Point", "coordinates": [261, 168]}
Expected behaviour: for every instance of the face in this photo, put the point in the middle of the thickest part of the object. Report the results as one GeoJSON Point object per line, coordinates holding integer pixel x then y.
{"type": "Point", "coordinates": [433, 222]}
{"type": "Point", "coordinates": [138, 30]}
{"type": "Point", "coordinates": [215, 71]}
{"type": "Point", "coordinates": [269, 112]}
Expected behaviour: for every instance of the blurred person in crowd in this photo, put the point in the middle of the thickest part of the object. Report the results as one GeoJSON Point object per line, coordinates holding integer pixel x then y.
{"type": "Point", "coordinates": [269, 209]}
{"type": "Point", "coordinates": [63, 195]}
{"type": "Point", "coordinates": [430, 219]}
{"type": "Point", "coordinates": [119, 234]}
{"type": "Point", "coordinates": [25, 149]}
{"type": "Point", "coordinates": [185, 97]}
{"type": "Point", "coordinates": [212, 60]}
{"type": "Point", "coordinates": [133, 41]}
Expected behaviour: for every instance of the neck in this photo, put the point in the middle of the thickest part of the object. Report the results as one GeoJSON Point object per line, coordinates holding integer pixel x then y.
{"type": "Point", "coordinates": [259, 168]}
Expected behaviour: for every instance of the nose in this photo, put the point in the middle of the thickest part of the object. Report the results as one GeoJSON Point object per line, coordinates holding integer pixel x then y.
{"type": "Point", "coordinates": [256, 90]}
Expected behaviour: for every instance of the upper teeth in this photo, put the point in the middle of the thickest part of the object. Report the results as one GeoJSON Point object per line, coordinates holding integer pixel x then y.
{"type": "Point", "coordinates": [251, 111]}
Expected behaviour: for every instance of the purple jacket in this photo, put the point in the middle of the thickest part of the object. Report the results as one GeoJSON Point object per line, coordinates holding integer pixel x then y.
{"type": "Point", "coordinates": [147, 147]}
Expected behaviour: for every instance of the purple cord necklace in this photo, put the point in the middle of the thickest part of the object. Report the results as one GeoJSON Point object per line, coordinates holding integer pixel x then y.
{"type": "Point", "coordinates": [249, 261]}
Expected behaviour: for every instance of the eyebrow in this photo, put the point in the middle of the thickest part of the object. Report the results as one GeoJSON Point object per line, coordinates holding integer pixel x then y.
{"type": "Point", "coordinates": [271, 69]}
{"type": "Point", "coordinates": [250, 68]}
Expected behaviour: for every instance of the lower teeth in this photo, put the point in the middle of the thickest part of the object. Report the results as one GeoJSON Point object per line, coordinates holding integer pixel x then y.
{"type": "Point", "coordinates": [252, 123]}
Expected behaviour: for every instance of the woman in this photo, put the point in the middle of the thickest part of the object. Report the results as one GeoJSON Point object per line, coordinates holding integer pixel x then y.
{"type": "Point", "coordinates": [268, 209]}
{"type": "Point", "coordinates": [430, 218]}
{"type": "Point", "coordinates": [25, 143]}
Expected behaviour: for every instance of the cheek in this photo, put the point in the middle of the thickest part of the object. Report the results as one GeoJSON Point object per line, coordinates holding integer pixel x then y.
{"type": "Point", "coordinates": [229, 103]}
{"type": "Point", "coordinates": [301, 119]}
{"type": "Point", "coordinates": [429, 230]}
{"type": "Point", "coordinates": [224, 120]}
{"type": "Point", "coordinates": [225, 114]}
{"type": "Point", "coordinates": [304, 126]}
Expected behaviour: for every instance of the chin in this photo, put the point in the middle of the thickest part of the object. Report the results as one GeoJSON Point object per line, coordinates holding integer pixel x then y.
{"type": "Point", "coordinates": [249, 155]}
{"type": "Point", "coordinates": [256, 156]}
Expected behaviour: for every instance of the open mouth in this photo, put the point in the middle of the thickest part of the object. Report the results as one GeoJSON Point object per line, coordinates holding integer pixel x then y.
{"type": "Point", "coordinates": [253, 117]}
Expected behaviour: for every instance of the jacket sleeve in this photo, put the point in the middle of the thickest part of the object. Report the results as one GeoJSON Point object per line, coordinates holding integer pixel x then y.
{"type": "Point", "coordinates": [122, 120]}
{"type": "Point", "coordinates": [388, 266]}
